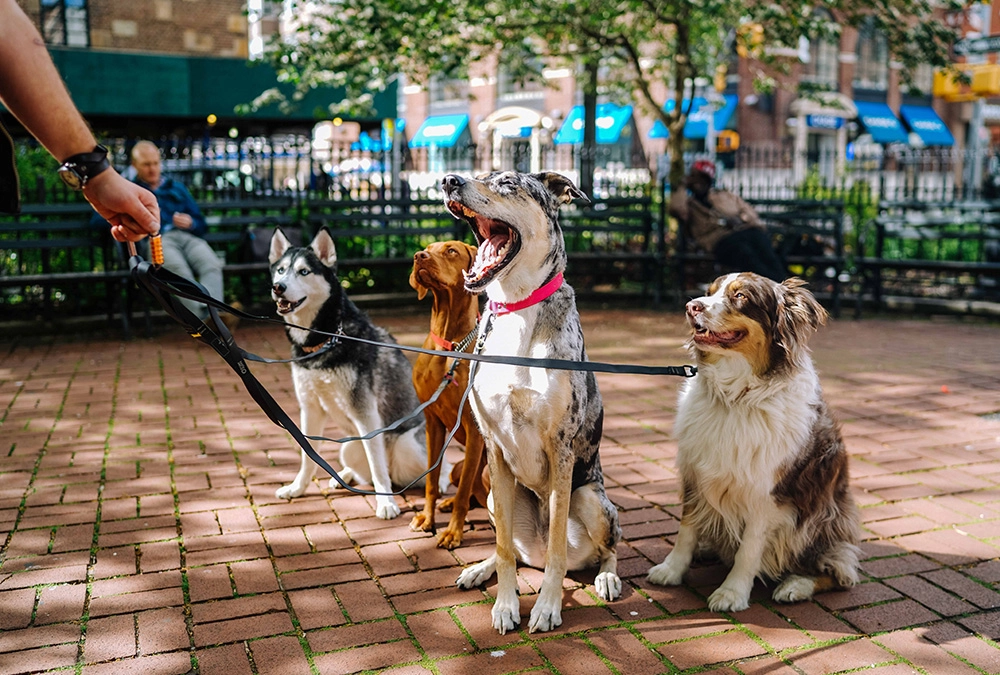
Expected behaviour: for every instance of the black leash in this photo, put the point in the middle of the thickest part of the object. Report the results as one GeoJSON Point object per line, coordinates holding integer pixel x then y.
{"type": "Point", "coordinates": [186, 288]}
{"type": "Point", "coordinates": [166, 287]}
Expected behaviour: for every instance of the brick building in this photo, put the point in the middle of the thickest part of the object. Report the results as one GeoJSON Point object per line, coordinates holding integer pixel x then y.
{"type": "Point", "coordinates": [174, 68]}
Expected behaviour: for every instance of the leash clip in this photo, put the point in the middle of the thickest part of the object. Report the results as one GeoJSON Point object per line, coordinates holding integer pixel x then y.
{"type": "Point", "coordinates": [689, 370]}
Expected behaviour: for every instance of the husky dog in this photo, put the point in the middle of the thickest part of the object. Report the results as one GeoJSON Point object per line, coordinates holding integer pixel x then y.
{"type": "Point", "coordinates": [542, 427]}
{"type": "Point", "coordinates": [361, 386]}
{"type": "Point", "coordinates": [762, 461]}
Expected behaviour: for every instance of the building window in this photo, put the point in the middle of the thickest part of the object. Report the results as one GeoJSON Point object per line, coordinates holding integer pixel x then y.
{"type": "Point", "coordinates": [872, 67]}
{"type": "Point", "coordinates": [822, 69]}
{"type": "Point", "coordinates": [448, 90]}
{"type": "Point", "coordinates": [922, 81]}
{"type": "Point", "coordinates": [516, 89]}
{"type": "Point", "coordinates": [65, 22]}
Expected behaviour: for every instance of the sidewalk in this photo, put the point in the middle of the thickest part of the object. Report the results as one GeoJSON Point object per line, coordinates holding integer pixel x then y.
{"type": "Point", "coordinates": [140, 532]}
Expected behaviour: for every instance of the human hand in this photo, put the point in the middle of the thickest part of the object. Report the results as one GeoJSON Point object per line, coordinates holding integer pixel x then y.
{"type": "Point", "coordinates": [132, 210]}
{"type": "Point", "coordinates": [183, 221]}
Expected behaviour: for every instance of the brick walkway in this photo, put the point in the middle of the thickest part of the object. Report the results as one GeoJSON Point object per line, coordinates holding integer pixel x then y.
{"type": "Point", "coordinates": [141, 533]}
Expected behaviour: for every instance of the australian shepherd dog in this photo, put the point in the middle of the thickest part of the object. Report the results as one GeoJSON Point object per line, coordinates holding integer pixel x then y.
{"type": "Point", "coordinates": [762, 461]}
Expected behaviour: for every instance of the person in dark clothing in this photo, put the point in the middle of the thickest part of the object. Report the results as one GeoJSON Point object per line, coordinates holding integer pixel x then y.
{"type": "Point", "coordinates": [723, 224]}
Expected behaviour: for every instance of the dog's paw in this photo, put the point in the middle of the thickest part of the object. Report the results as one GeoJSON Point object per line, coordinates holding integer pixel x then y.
{"type": "Point", "coordinates": [506, 615]}
{"type": "Point", "coordinates": [544, 616]}
{"type": "Point", "coordinates": [347, 475]}
{"type": "Point", "coordinates": [291, 491]}
{"type": "Point", "coordinates": [422, 523]}
{"type": "Point", "coordinates": [667, 573]}
{"type": "Point", "coordinates": [476, 575]}
{"type": "Point", "coordinates": [794, 588]}
{"type": "Point", "coordinates": [726, 599]}
{"type": "Point", "coordinates": [387, 509]}
{"type": "Point", "coordinates": [449, 538]}
{"type": "Point", "coordinates": [608, 586]}
{"type": "Point", "coordinates": [446, 505]}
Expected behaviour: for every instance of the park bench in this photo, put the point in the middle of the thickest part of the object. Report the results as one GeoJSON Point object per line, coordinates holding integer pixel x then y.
{"type": "Point", "coordinates": [930, 253]}
{"type": "Point", "coordinates": [606, 242]}
{"type": "Point", "coordinates": [808, 236]}
{"type": "Point", "coordinates": [55, 261]}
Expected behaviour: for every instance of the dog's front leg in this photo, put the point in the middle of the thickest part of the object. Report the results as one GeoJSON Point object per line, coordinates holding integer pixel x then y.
{"type": "Point", "coordinates": [424, 520]}
{"type": "Point", "coordinates": [734, 593]}
{"type": "Point", "coordinates": [385, 503]}
{"type": "Point", "coordinates": [378, 463]}
{"type": "Point", "coordinates": [472, 469]}
{"type": "Point", "coordinates": [671, 571]}
{"type": "Point", "coordinates": [312, 420]}
{"type": "Point", "coordinates": [506, 608]}
{"type": "Point", "coordinates": [547, 612]}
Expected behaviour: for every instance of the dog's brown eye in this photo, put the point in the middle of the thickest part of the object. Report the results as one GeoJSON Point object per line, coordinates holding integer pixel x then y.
{"type": "Point", "coordinates": [452, 251]}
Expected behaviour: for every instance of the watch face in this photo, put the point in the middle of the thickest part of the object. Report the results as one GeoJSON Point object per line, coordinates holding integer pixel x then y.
{"type": "Point", "coordinates": [70, 176]}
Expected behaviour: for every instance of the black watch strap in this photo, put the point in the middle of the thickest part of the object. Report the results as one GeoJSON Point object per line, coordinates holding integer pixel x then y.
{"type": "Point", "coordinates": [80, 168]}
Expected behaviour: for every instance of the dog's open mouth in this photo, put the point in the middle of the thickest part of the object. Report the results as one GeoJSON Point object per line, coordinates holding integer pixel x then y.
{"type": "Point", "coordinates": [705, 337]}
{"type": "Point", "coordinates": [287, 306]}
{"type": "Point", "coordinates": [498, 243]}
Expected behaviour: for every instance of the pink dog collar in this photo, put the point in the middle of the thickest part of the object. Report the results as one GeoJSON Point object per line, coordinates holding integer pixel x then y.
{"type": "Point", "coordinates": [501, 308]}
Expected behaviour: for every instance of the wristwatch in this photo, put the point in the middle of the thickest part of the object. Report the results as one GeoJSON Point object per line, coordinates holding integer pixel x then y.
{"type": "Point", "coordinates": [79, 169]}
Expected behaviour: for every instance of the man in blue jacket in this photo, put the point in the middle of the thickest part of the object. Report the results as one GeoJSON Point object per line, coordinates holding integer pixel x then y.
{"type": "Point", "coordinates": [182, 227]}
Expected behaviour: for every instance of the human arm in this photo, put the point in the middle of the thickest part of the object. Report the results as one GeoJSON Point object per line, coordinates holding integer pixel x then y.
{"type": "Point", "coordinates": [30, 87]}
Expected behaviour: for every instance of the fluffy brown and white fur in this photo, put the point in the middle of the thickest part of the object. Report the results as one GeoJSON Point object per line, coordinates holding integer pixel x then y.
{"type": "Point", "coordinates": [762, 461]}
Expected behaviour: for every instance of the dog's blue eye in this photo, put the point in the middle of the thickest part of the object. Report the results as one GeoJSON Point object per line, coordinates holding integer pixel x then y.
{"type": "Point", "coordinates": [280, 270]}
{"type": "Point", "coordinates": [304, 272]}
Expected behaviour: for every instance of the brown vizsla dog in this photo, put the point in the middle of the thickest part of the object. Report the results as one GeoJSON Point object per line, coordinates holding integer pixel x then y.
{"type": "Point", "coordinates": [438, 269]}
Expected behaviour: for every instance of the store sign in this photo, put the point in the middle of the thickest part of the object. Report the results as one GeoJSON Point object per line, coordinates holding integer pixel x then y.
{"type": "Point", "coordinates": [977, 45]}
{"type": "Point", "coordinates": [824, 121]}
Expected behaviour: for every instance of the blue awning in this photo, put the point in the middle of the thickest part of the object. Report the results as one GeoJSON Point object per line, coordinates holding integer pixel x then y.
{"type": "Point", "coordinates": [611, 120]}
{"type": "Point", "coordinates": [924, 122]}
{"type": "Point", "coordinates": [880, 122]}
{"type": "Point", "coordinates": [441, 131]}
{"type": "Point", "coordinates": [697, 122]}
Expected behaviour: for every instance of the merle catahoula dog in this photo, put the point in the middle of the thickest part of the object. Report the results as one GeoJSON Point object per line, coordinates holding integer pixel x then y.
{"type": "Point", "coordinates": [360, 386]}
{"type": "Point", "coordinates": [542, 426]}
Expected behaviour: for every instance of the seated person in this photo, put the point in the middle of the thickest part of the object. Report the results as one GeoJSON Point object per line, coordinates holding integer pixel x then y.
{"type": "Point", "coordinates": [182, 228]}
{"type": "Point", "coordinates": [724, 225]}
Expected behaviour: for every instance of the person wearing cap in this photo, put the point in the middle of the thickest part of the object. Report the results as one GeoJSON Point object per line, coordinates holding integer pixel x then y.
{"type": "Point", "coordinates": [723, 224]}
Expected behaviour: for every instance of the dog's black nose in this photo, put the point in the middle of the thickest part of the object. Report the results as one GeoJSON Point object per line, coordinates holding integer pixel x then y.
{"type": "Point", "coordinates": [695, 307]}
{"type": "Point", "coordinates": [452, 181]}
{"type": "Point", "coordinates": [279, 289]}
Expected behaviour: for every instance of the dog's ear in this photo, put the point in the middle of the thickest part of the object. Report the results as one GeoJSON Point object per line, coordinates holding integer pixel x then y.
{"type": "Point", "coordinates": [799, 314]}
{"type": "Point", "coordinates": [279, 244]}
{"type": "Point", "coordinates": [561, 187]}
{"type": "Point", "coordinates": [416, 285]}
{"type": "Point", "coordinates": [324, 248]}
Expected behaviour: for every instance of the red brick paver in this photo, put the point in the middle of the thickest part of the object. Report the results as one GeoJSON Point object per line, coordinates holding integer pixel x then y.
{"type": "Point", "coordinates": [140, 532]}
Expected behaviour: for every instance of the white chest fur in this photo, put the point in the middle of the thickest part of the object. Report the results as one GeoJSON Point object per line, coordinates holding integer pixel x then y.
{"type": "Point", "coordinates": [331, 388]}
{"type": "Point", "coordinates": [518, 407]}
{"type": "Point", "coordinates": [735, 434]}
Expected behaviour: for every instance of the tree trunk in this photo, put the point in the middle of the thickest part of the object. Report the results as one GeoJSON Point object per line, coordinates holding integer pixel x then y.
{"type": "Point", "coordinates": [678, 116]}
{"type": "Point", "coordinates": [588, 151]}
